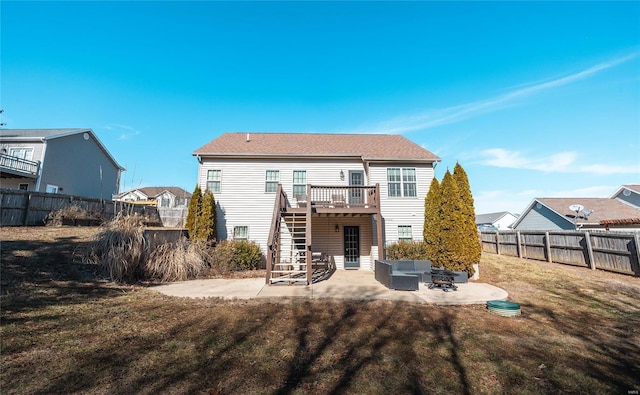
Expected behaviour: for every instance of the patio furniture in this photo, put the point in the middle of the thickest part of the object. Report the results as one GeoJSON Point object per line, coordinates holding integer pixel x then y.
{"type": "Point", "coordinates": [401, 275]}
{"type": "Point", "coordinates": [301, 200]}
{"type": "Point", "coordinates": [338, 201]}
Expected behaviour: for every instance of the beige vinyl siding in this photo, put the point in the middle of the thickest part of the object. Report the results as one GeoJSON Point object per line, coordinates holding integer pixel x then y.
{"type": "Point", "coordinates": [327, 240]}
{"type": "Point", "coordinates": [402, 210]}
{"type": "Point", "coordinates": [242, 198]}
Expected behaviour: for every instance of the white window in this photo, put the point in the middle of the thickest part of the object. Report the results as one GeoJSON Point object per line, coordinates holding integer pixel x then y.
{"type": "Point", "coordinates": [52, 188]}
{"type": "Point", "coordinates": [166, 202]}
{"type": "Point", "coordinates": [299, 182]}
{"type": "Point", "coordinates": [272, 178]}
{"type": "Point", "coordinates": [404, 233]}
{"type": "Point", "coordinates": [22, 153]}
{"type": "Point", "coordinates": [240, 232]}
{"type": "Point", "coordinates": [214, 177]}
{"type": "Point", "coordinates": [401, 182]}
{"type": "Point", "coordinates": [409, 182]}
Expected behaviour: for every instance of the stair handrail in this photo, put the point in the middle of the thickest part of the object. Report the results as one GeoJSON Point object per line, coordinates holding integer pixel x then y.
{"type": "Point", "coordinates": [280, 205]}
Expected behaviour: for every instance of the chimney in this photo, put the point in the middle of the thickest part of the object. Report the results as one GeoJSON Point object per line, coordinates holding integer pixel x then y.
{"type": "Point", "coordinates": [248, 139]}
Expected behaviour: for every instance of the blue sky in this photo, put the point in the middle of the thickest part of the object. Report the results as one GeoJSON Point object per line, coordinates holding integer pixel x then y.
{"type": "Point", "coordinates": [534, 99]}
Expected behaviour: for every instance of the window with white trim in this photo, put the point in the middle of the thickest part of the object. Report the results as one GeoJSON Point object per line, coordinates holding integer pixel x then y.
{"type": "Point", "coordinates": [409, 182]}
{"type": "Point", "coordinates": [240, 232]}
{"type": "Point", "coordinates": [214, 177]}
{"type": "Point", "coordinates": [22, 153]}
{"type": "Point", "coordinates": [404, 233]}
{"type": "Point", "coordinates": [299, 182]}
{"type": "Point", "coordinates": [401, 182]}
{"type": "Point", "coordinates": [51, 188]}
{"type": "Point", "coordinates": [272, 178]}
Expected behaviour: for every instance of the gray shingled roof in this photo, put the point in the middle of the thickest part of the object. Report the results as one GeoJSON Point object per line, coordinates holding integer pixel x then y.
{"type": "Point", "coordinates": [366, 146]}
{"type": "Point", "coordinates": [490, 217]}
{"type": "Point", "coordinates": [603, 209]}
{"type": "Point", "coordinates": [39, 133]}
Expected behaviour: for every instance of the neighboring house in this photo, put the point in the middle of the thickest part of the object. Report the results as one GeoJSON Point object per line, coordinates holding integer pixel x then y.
{"type": "Point", "coordinates": [591, 213]}
{"type": "Point", "coordinates": [172, 202]}
{"type": "Point", "coordinates": [165, 197]}
{"type": "Point", "coordinates": [68, 161]}
{"type": "Point", "coordinates": [629, 194]}
{"type": "Point", "coordinates": [343, 196]}
{"type": "Point", "coordinates": [501, 220]}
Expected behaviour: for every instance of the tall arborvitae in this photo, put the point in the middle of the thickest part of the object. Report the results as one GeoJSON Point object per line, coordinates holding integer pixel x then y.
{"type": "Point", "coordinates": [206, 228]}
{"type": "Point", "coordinates": [449, 255]}
{"type": "Point", "coordinates": [195, 205]}
{"type": "Point", "coordinates": [471, 249]}
{"type": "Point", "coordinates": [431, 232]}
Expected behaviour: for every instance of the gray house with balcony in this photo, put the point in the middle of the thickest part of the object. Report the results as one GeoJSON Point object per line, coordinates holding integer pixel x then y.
{"type": "Point", "coordinates": [68, 161]}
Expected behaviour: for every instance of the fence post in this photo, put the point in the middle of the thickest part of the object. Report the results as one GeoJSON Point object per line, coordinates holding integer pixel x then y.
{"type": "Point", "coordinates": [498, 243]}
{"type": "Point", "coordinates": [636, 239]}
{"type": "Point", "coordinates": [587, 239]}
{"type": "Point", "coordinates": [25, 217]}
{"type": "Point", "coordinates": [518, 242]}
{"type": "Point", "coordinates": [547, 246]}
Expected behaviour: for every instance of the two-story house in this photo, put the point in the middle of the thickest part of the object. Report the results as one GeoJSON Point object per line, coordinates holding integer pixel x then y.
{"type": "Point", "coordinates": [165, 197]}
{"type": "Point", "coordinates": [301, 196]}
{"type": "Point", "coordinates": [69, 161]}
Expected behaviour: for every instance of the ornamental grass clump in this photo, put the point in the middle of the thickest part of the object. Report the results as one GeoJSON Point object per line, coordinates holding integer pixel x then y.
{"type": "Point", "coordinates": [120, 249]}
{"type": "Point", "coordinates": [177, 261]}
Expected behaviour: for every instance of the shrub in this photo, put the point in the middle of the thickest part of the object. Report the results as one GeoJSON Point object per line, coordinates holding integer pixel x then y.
{"type": "Point", "coordinates": [206, 222]}
{"type": "Point", "coordinates": [235, 255]}
{"type": "Point", "coordinates": [120, 249]}
{"type": "Point", "coordinates": [177, 261]}
{"type": "Point", "coordinates": [407, 250]}
{"type": "Point", "coordinates": [247, 255]}
{"type": "Point", "coordinates": [195, 205]}
{"type": "Point", "coordinates": [71, 212]}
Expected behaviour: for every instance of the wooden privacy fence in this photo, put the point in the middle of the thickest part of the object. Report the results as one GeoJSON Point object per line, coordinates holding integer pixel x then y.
{"type": "Point", "coordinates": [612, 251]}
{"type": "Point", "coordinates": [26, 208]}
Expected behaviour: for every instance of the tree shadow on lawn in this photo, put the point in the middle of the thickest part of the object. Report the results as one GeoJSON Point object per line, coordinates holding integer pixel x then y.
{"type": "Point", "coordinates": [600, 333]}
{"type": "Point", "coordinates": [41, 273]}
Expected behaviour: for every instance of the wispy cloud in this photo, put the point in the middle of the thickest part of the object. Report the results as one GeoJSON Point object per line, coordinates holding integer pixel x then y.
{"type": "Point", "coordinates": [561, 162]}
{"type": "Point", "coordinates": [126, 131]}
{"type": "Point", "coordinates": [437, 117]}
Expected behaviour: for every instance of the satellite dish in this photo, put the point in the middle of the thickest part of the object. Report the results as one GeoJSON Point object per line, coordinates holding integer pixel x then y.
{"type": "Point", "coordinates": [576, 207]}
{"type": "Point", "coordinates": [586, 212]}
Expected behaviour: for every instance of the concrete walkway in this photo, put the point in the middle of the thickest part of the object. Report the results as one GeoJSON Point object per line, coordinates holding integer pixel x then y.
{"type": "Point", "coordinates": [343, 284]}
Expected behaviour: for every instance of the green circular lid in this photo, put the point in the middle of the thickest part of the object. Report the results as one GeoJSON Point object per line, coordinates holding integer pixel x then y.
{"type": "Point", "coordinates": [503, 304]}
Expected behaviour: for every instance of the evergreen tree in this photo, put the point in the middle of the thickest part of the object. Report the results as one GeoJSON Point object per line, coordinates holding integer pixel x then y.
{"type": "Point", "coordinates": [431, 231]}
{"type": "Point", "coordinates": [195, 205]}
{"type": "Point", "coordinates": [449, 255]}
{"type": "Point", "coordinates": [470, 248]}
{"type": "Point", "coordinates": [206, 229]}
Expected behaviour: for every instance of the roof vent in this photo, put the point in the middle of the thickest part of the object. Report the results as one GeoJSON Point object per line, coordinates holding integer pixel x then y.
{"type": "Point", "coordinates": [248, 139]}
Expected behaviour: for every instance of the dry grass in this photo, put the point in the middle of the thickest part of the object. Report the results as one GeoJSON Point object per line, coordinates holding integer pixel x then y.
{"type": "Point", "coordinates": [175, 262]}
{"type": "Point", "coordinates": [120, 249]}
{"type": "Point", "coordinates": [72, 212]}
{"type": "Point", "coordinates": [64, 331]}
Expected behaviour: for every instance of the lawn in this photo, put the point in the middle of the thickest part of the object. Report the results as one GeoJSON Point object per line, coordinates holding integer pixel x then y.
{"type": "Point", "coordinates": [67, 330]}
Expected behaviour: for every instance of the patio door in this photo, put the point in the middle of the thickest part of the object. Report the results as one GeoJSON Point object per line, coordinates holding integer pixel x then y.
{"type": "Point", "coordinates": [356, 196]}
{"type": "Point", "coordinates": [351, 247]}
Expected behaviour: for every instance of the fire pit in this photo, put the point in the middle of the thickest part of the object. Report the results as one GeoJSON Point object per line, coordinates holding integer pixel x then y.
{"type": "Point", "coordinates": [443, 279]}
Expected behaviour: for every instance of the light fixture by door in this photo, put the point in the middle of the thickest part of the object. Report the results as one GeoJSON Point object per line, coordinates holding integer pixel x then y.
{"type": "Point", "coordinates": [337, 228]}
{"type": "Point", "coordinates": [341, 175]}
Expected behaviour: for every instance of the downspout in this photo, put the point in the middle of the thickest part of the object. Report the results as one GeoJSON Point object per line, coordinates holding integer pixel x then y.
{"type": "Point", "coordinates": [44, 151]}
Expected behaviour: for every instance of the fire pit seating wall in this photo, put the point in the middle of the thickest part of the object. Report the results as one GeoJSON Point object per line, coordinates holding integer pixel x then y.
{"type": "Point", "coordinates": [406, 275]}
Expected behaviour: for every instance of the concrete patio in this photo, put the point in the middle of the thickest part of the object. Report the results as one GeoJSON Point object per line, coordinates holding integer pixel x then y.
{"type": "Point", "coordinates": [343, 284]}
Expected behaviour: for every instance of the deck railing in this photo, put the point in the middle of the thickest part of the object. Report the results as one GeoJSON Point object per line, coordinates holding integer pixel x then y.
{"type": "Point", "coordinates": [338, 196]}
{"type": "Point", "coordinates": [19, 165]}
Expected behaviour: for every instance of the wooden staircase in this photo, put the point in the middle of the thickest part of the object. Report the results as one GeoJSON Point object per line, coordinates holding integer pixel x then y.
{"type": "Point", "coordinates": [289, 258]}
